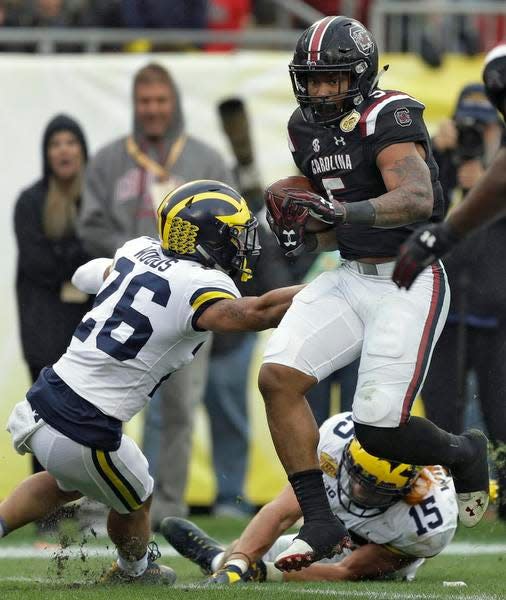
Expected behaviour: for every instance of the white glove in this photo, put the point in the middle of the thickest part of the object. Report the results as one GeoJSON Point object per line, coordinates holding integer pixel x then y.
{"type": "Point", "coordinates": [89, 277]}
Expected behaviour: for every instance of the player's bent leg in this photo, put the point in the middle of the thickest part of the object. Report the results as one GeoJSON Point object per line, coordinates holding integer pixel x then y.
{"type": "Point", "coordinates": [399, 339]}
{"type": "Point", "coordinates": [130, 532]}
{"type": "Point", "coordinates": [471, 479]}
{"type": "Point", "coordinates": [420, 442]}
{"type": "Point", "coordinates": [33, 499]}
{"type": "Point", "coordinates": [291, 422]}
{"type": "Point", "coordinates": [295, 436]}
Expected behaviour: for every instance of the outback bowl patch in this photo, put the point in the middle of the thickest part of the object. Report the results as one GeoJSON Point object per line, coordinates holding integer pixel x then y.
{"type": "Point", "coordinates": [328, 465]}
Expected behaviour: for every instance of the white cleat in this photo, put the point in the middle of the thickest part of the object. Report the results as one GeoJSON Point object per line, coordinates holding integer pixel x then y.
{"type": "Point", "coordinates": [298, 555]}
{"type": "Point", "coordinates": [472, 507]}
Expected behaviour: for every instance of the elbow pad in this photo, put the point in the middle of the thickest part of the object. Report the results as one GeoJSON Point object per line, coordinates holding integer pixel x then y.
{"type": "Point", "coordinates": [89, 277]}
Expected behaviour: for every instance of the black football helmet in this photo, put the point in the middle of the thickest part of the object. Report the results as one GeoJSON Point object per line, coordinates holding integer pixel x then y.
{"type": "Point", "coordinates": [209, 222]}
{"type": "Point", "coordinates": [331, 45]}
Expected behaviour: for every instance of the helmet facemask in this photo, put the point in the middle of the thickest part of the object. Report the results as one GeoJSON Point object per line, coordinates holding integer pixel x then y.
{"type": "Point", "coordinates": [334, 44]}
{"type": "Point", "coordinates": [238, 251]}
{"type": "Point", "coordinates": [209, 222]}
{"type": "Point", "coordinates": [328, 109]}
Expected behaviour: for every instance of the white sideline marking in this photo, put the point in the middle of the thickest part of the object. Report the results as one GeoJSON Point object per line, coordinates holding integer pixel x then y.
{"type": "Point", "coordinates": [370, 594]}
{"type": "Point", "coordinates": [28, 551]}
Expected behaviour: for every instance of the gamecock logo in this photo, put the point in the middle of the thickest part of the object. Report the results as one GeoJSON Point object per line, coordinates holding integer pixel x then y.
{"type": "Point", "coordinates": [363, 40]}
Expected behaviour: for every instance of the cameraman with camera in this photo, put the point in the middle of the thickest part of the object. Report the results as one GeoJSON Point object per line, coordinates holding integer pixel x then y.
{"type": "Point", "coordinates": [466, 144]}
{"type": "Point", "coordinates": [474, 337]}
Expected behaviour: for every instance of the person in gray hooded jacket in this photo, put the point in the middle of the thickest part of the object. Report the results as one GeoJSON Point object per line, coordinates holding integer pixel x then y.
{"type": "Point", "coordinates": [125, 182]}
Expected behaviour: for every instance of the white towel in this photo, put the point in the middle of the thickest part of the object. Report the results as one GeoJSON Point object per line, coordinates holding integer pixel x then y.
{"type": "Point", "coordinates": [21, 425]}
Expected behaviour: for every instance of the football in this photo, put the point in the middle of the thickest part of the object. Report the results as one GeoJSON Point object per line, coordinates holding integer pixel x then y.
{"type": "Point", "coordinates": [279, 189]}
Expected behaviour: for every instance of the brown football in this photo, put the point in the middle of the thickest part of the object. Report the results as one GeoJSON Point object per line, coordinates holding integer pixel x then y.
{"type": "Point", "coordinates": [278, 191]}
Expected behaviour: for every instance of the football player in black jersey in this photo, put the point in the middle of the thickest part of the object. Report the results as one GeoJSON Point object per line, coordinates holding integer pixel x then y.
{"type": "Point", "coordinates": [484, 202]}
{"type": "Point", "coordinates": [368, 155]}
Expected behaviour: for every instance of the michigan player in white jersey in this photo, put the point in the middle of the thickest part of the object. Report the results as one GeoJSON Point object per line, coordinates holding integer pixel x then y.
{"type": "Point", "coordinates": [397, 515]}
{"type": "Point", "coordinates": [155, 306]}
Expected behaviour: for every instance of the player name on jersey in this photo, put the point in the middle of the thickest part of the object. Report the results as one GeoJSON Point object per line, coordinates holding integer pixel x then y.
{"type": "Point", "coordinates": [151, 257]}
{"type": "Point", "coordinates": [323, 164]}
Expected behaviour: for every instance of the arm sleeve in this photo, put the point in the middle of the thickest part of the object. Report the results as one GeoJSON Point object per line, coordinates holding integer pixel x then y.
{"type": "Point", "coordinates": [95, 224]}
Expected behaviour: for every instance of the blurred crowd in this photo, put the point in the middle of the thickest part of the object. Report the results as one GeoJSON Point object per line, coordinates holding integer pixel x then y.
{"type": "Point", "coordinates": [431, 35]}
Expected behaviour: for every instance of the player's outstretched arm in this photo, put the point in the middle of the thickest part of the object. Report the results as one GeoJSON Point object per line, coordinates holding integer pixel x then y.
{"type": "Point", "coordinates": [366, 562]}
{"type": "Point", "coordinates": [267, 525]}
{"type": "Point", "coordinates": [485, 201]}
{"type": "Point", "coordinates": [252, 313]}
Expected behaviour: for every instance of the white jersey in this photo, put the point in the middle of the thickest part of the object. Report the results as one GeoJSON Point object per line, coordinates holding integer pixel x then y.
{"type": "Point", "coordinates": [420, 531]}
{"type": "Point", "coordinates": [141, 328]}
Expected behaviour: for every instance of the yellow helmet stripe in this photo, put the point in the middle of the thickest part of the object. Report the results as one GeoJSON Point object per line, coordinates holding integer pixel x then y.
{"type": "Point", "coordinates": [196, 198]}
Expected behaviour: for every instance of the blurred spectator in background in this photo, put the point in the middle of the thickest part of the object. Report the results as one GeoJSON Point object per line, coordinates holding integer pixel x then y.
{"type": "Point", "coordinates": [49, 306]}
{"type": "Point", "coordinates": [226, 395]}
{"type": "Point", "coordinates": [160, 14]}
{"type": "Point", "coordinates": [50, 13]}
{"type": "Point", "coordinates": [125, 183]}
{"type": "Point", "coordinates": [101, 13]}
{"type": "Point", "coordinates": [473, 340]}
{"type": "Point", "coordinates": [466, 144]}
{"type": "Point", "coordinates": [227, 15]}
{"type": "Point", "coordinates": [9, 16]}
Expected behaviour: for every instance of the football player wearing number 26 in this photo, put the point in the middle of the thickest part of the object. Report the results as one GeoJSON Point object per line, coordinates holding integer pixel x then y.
{"type": "Point", "coordinates": [155, 306]}
{"type": "Point", "coordinates": [367, 153]}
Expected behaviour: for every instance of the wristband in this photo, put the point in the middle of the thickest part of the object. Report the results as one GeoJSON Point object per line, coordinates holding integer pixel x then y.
{"type": "Point", "coordinates": [360, 213]}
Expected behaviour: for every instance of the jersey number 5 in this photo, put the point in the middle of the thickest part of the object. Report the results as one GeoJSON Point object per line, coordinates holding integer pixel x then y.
{"type": "Point", "coordinates": [124, 312]}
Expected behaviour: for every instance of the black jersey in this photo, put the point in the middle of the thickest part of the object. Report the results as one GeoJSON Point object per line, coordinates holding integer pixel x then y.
{"type": "Point", "coordinates": [340, 161]}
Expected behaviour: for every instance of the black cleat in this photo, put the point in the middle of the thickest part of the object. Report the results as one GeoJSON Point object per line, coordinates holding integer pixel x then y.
{"type": "Point", "coordinates": [257, 572]}
{"type": "Point", "coordinates": [316, 540]}
{"type": "Point", "coordinates": [191, 542]}
{"type": "Point", "coordinates": [472, 481]}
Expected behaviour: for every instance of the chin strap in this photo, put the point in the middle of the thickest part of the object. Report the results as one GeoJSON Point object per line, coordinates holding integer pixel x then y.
{"type": "Point", "coordinates": [379, 76]}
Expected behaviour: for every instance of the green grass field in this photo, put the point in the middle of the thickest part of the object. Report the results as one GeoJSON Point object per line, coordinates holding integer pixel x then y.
{"type": "Point", "coordinates": [477, 557]}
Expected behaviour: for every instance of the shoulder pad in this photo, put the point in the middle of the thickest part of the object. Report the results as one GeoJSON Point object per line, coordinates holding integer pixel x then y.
{"type": "Point", "coordinates": [390, 101]}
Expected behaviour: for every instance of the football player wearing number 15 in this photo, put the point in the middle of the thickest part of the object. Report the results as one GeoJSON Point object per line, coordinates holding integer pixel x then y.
{"type": "Point", "coordinates": [155, 306]}
{"type": "Point", "coordinates": [398, 515]}
{"type": "Point", "coordinates": [367, 153]}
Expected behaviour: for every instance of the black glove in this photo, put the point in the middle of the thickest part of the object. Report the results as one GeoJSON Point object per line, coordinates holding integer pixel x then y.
{"type": "Point", "coordinates": [287, 223]}
{"type": "Point", "coordinates": [328, 211]}
{"type": "Point", "coordinates": [423, 247]}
